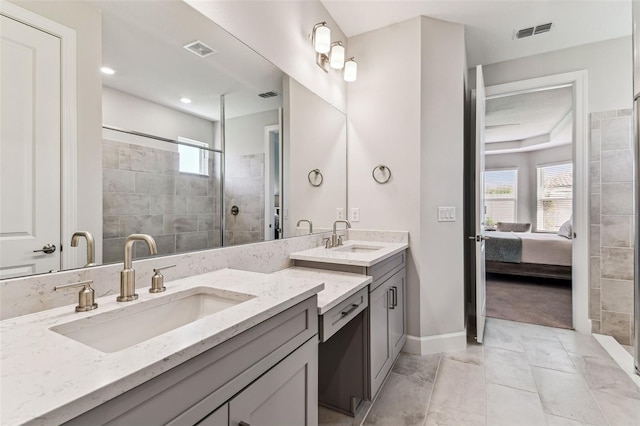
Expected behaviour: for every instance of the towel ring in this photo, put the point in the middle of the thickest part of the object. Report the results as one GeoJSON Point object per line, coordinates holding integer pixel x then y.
{"type": "Point", "coordinates": [382, 169]}
{"type": "Point", "coordinates": [315, 181]}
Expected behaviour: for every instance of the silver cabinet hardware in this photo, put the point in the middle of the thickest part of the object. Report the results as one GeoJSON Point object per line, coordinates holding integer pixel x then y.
{"type": "Point", "coordinates": [395, 295]}
{"type": "Point", "coordinates": [243, 424]}
{"type": "Point", "coordinates": [47, 249]}
{"type": "Point", "coordinates": [353, 307]}
{"type": "Point", "coordinates": [86, 297]}
{"type": "Point", "coordinates": [479, 238]}
{"type": "Point", "coordinates": [390, 299]}
{"type": "Point", "coordinates": [157, 280]}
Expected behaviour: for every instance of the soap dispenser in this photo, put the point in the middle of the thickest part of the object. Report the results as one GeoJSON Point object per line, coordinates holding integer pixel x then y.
{"type": "Point", "coordinates": [157, 280]}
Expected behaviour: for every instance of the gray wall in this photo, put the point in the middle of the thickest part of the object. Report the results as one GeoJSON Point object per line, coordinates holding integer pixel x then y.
{"type": "Point", "coordinates": [526, 163]}
{"type": "Point", "coordinates": [407, 111]}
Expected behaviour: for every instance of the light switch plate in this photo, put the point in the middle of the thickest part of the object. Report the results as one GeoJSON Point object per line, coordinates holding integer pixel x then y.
{"type": "Point", "coordinates": [446, 214]}
{"type": "Point", "coordinates": [340, 213]}
{"type": "Point", "coordinates": [355, 214]}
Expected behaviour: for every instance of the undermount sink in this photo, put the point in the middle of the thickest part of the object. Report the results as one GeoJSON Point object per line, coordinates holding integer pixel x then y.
{"type": "Point", "coordinates": [357, 248]}
{"type": "Point", "coordinates": [136, 323]}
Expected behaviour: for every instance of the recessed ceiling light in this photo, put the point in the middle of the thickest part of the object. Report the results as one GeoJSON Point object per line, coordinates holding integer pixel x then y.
{"type": "Point", "coordinates": [107, 70]}
{"type": "Point", "coordinates": [185, 100]}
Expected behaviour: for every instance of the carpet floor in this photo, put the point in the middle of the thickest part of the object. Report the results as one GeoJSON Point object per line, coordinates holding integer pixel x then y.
{"type": "Point", "coordinates": [532, 300]}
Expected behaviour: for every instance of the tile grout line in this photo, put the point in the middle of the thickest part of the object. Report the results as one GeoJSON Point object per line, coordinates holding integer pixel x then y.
{"type": "Point", "coordinates": [435, 380]}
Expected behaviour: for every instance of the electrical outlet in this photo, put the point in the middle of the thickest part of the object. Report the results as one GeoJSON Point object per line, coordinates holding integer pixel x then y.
{"type": "Point", "coordinates": [355, 214]}
{"type": "Point", "coordinates": [446, 214]}
{"type": "Point", "coordinates": [340, 213]}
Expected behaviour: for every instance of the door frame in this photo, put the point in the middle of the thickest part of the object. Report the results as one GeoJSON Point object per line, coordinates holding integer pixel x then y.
{"type": "Point", "coordinates": [268, 185]}
{"type": "Point", "coordinates": [68, 120]}
{"type": "Point", "coordinates": [581, 211]}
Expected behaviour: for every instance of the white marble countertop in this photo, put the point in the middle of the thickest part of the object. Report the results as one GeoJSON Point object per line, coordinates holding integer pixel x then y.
{"type": "Point", "coordinates": [337, 285]}
{"type": "Point", "coordinates": [341, 255]}
{"type": "Point", "coordinates": [48, 378]}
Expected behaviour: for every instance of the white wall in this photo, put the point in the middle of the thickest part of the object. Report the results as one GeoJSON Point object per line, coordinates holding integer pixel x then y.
{"type": "Point", "coordinates": [87, 23]}
{"type": "Point", "coordinates": [525, 163]}
{"type": "Point", "coordinates": [315, 137]}
{"type": "Point", "coordinates": [245, 135]}
{"type": "Point", "coordinates": [279, 30]}
{"type": "Point", "coordinates": [130, 112]}
{"type": "Point", "coordinates": [408, 113]}
{"type": "Point", "coordinates": [609, 65]}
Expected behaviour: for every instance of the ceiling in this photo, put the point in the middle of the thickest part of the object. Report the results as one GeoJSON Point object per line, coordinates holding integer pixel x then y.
{"type": "Point", "coordinates": [143, 41]}
{"type": "Point", "coordinates": [490, 25]}
{"type": "Point", "coordinates": [529, 121]}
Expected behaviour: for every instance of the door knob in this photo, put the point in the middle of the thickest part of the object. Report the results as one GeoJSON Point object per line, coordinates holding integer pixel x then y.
{"type": "Point", "coordinates": [47, 248]}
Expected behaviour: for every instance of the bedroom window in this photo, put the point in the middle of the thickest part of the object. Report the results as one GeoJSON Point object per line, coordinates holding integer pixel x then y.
{"type": "Point", "coordinates": [555, 196]}
{"type": "Point", "coordinates": [501, 196]}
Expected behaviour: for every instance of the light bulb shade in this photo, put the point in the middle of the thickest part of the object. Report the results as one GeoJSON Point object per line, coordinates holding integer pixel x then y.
{"type": "Point", "coordinates": [322, 39]}
{"type": "Point", "coordinates": [336, 59]}
{"type": "Point", "coordinates": [350, 70]}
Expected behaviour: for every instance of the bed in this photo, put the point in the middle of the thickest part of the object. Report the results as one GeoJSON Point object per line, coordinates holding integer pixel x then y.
{"type": "Point", "coordinates": [530, 254]}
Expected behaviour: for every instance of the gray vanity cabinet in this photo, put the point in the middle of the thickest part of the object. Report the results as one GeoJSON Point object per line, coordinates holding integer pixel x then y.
{"type": "Point", "coordinates": [386, 315]}
{"type": "Point", "coordinates": [387, 324]}
{"type": "Point", "coordinates": [283, 396]}
{"type": "Point", "coordinates": [266, 375]}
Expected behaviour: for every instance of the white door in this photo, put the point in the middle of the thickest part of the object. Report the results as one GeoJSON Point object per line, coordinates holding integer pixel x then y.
{"type": "Point", "coordinates": [481, 284]}
{"type": "Point", "coordinates": [29, 150]}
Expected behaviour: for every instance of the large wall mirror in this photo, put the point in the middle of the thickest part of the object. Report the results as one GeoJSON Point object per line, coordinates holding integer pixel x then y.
{"type": "Point", "coordinates": [189, 136]}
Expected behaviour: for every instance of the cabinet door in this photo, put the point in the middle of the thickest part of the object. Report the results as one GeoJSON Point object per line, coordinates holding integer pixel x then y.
{"type": "Point", "coordinates": [285, 395]}
{"type": "Point", "coordinates": [220, 417]}
{"type": "Point", "coordinates": [397, 313]}
{"type": "Point", "coordinates": [380, 355]}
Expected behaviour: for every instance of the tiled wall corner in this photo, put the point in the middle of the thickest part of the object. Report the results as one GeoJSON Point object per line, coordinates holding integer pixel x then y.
{"type": "Point", "coordinates": [611, 240]}
{"type": "Point", "coordinates": [244, 188]}
{"type": "Point", "coordinates": [144, 192]}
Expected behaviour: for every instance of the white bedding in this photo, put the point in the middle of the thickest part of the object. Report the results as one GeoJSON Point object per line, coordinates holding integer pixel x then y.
{"type": "Point", "coordinates": [547, 249]}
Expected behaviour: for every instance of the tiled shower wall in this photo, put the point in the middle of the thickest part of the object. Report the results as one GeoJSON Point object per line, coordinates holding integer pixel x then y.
{"type": "Point", "coordinates": [244, 188]}
{"type": "Point", "coordinates": [144, 192]}
{"type": "Point", "coordinates": [611, 246]}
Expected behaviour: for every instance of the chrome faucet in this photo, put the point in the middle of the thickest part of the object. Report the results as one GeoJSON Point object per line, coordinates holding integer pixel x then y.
{"type": "Point", "coordinates": [128, 274]}
{"type": "Point", "coordinates": [335, 240]}
{"type": "Point", "coordinates": [91, 245]}
{"type": "Point", "coordinates": [309, 222]}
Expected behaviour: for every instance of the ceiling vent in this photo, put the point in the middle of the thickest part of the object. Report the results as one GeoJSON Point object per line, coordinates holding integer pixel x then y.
{"type": "Point", "coordinates": [542, 28]}
{"type": "Point", "coordinates": [200, 49]}
{"type": "Point", "coordinates": [527, 32]}
{"type": "Point", "coordinates": [531, 31]}
{"type": "Point", "coordinates": [267, 95]}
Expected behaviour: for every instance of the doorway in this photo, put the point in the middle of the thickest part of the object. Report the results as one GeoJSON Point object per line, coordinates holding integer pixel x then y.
{"type": "Point", "coordinates": [577, 81]}
{"type": "Point", "coordinates": [528, 193]}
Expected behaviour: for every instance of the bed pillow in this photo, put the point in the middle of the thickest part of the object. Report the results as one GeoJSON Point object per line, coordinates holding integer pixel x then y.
{"type": "Point", "coordinates": [566, 230]}
{"type": "Point", "coordinates": [513, 227]}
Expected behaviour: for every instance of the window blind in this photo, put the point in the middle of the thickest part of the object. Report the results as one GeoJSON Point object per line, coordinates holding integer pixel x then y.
{"type": "Point", "coordinates": [501, 196]}
{"type": "Point", "coordinates": [555, 196]}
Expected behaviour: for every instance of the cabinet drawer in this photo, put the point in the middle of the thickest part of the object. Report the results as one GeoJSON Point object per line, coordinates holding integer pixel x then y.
{"type": "Point", "coordinates": [334, 319]}
{"type": "Point", "coordinates": [385, 269]}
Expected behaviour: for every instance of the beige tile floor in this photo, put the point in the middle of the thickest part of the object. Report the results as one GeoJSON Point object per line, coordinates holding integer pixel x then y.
{"type": "Point", "coordinates": [523, 375]}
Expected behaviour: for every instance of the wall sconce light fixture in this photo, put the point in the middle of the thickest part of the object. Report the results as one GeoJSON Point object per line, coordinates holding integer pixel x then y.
{"type": "Point", "coordinates": [331, 54]}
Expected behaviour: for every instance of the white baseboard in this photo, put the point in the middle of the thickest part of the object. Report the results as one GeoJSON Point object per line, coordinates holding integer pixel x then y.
{"type": "Point", "coordinates": [434, 344]}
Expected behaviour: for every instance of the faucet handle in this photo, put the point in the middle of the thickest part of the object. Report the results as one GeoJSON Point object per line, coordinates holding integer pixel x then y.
{"type": "Point", "coordinates": [339, 240]}
{"type": "Point", "coordinates": [86, 297]}
{"type": "Point", "coordinates": [157, 280]}
{"type": "Point", "coordinates": [327, 243]}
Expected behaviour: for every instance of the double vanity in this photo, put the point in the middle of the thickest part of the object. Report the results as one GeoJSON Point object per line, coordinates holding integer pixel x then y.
{"type": "Point", "coordinates": [223, 347]}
